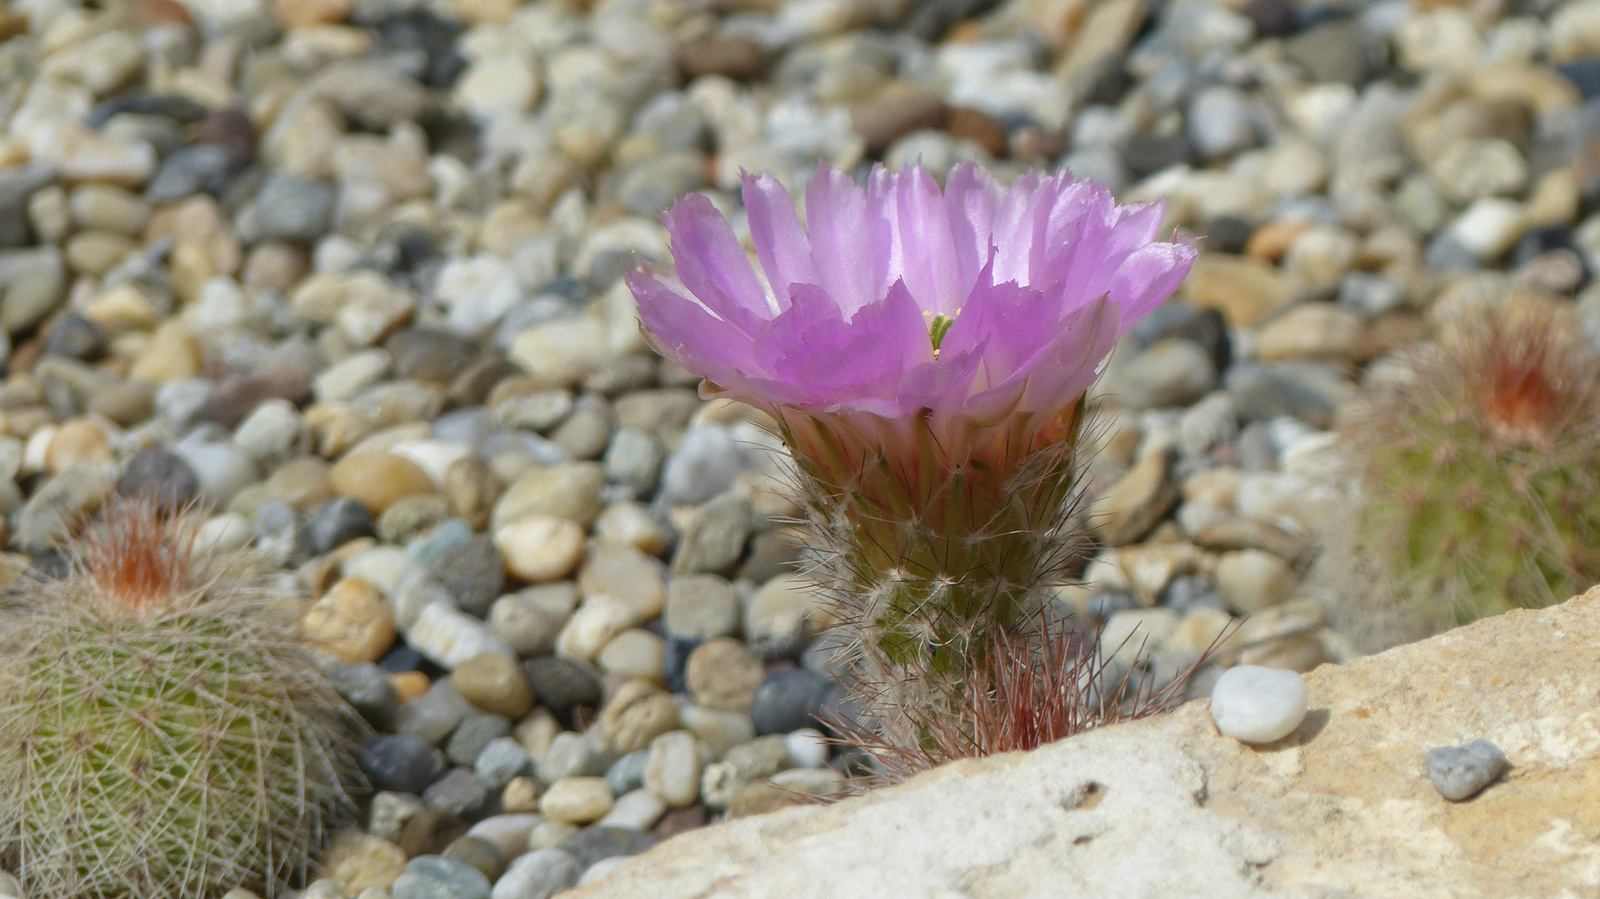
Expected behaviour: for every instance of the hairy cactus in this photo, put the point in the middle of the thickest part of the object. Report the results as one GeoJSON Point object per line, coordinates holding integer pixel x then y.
{"type": "Point", "coordinates": [160, 732]}
{"type": "Point", "coordinates": [1477, 471]}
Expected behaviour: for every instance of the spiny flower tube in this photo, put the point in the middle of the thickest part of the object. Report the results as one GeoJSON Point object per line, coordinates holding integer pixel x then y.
{"type": "Point", "coordinates": [925, 353]}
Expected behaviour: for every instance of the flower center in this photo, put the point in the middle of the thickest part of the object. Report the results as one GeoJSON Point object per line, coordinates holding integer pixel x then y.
{"type": "Point", "coordinates": [938, 326]}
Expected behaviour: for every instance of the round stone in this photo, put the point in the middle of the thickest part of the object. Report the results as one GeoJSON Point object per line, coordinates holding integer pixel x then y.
{"type": "Point", "coordinates": [788, 700]}
{"type": "Point", "coordinates": [351, 622]}
{"type": "Point", "coordinates": [1461, 772]}
{"type": "Point", "coordinates": [1258, 705]}
{"type": "Point", "coordinates": [672, 769]}
{"type": "Point", "coordinates": [377, 479]}
{"type": "Point", "coordinates": [702, 606]}
{"type": "Point", "coordinates": [540, 548]}
{"type": "Point", "coordinates": [77, 442]}
{"type": "Point", "coordinates": [577, 800]}
{"type": "Point", "coordinates": [722, 674]}
{"type": "Point", "coordinates": [474, 574]}
{"type": "Point", "coordinates": [161, 475]}
{"type": "Point", "coordinates": [495, 683]}
{"type": "Point", "coordinates": [541, 873]}
{"type": "Point", "coordinates": [361, 861]}
{"type": "Point", "coordinates": [401, 763]}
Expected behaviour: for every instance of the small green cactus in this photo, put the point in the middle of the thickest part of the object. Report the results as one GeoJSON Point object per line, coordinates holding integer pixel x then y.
{"type": "Point", "coordinates": [1478, 473]}
{"type": "Point", "coordinates": [161, 733]}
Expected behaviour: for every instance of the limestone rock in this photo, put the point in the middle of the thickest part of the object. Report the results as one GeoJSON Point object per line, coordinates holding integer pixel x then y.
{"type": "Point", "coordinates": [1168, 807]}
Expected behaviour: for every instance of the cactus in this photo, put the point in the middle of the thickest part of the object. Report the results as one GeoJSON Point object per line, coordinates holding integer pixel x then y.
{"type": "Point", "coordinates": [1477, 472]}
{"type": "Point", "coordinates": [1032, 685]}
{"type": "Point", "coordinates": [161, 734]}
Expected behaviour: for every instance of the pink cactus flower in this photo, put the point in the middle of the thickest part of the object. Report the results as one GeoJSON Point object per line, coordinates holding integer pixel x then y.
{"type": "Point", "coordinates": [926, 354]}
{"type": "Point", "coordinates": [963, 306]}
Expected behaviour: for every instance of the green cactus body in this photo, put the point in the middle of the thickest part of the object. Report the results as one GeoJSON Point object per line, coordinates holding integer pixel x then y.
{"type": "Point", "coordinates": [1478, 477]}
{"type": "Point", "coordinates": [1484, 529]}
{"type": "Point", "coordinates": [922, 555]}
{"type": "Point", "coordinates": [172, 751]}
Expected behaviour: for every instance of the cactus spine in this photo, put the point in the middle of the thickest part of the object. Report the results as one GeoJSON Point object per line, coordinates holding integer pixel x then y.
{"type": "Point", "coordinates": [1478, 472]}
{"type": "Point", "coordinates": [161, 734]}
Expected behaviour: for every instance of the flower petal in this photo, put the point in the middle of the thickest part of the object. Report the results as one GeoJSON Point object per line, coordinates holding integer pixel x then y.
{"type": "Point", "coordinates": [685, 332]}
{"type": "Point", "coordinates": [922, 249]}
{"type": "Point", "coordinates": [780, 241]}
{"type": "Point", "coordinates": [1148, 277]}
{"type": "Point", "coordinates": [844, 244]}
{"type": "Point", "coordinates": [971, 196]}
{"type": "Point", "coordinates": [712, 265]}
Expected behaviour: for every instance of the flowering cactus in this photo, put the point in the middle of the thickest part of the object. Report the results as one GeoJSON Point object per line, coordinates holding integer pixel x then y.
{"type": "Point", "coordinates": [925, 355]}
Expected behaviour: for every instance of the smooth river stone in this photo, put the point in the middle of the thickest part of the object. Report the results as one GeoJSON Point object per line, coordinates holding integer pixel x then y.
{"type": "Point", "coordinates": [1258, 705]}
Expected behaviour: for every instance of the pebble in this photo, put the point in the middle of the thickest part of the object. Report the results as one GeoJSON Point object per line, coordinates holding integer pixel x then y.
{"type": "Point", "coordinates": [540, 548]}
{"type": "Point", "coordinates": [459, 792]}
{"type": "Point", "coordinates": [378, 480]}
{"type": "Point", "coordinates": [435, 877]}
{"type": "Point", "coordinates": [577, 800]}
{"type": "Point", "coordinates": [475, 732]}
{"type": "Point", "coordinates": [1462, 772]}
{"type": "Point", "coordinates": [1258, 705]}
{"type": "Point", "coordinates": [723, 674]}
{"type": "Point", "coordinates": [702, 607]}
{"type": "Point", "coordinates": [495, 683]}
{"type": "Point", "coordinates": [789, 699]}
{"type": "Point", "coordinates": [359, 861]}
{"type": "Point", "coordinates": [539, 874]}
{"type": "Point", "coordinates": [401, 763]}
{"type": "Point", "coordinates": [351, 622]}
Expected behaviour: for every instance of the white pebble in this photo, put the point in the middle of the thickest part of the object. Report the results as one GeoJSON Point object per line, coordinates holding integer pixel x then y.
{"type": "Point", "coordinates": [1258, 705]}
{"type": "Point", "coordinates": [808, 748]}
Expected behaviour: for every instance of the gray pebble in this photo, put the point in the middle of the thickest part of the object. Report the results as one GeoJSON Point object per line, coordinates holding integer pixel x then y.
{"type": "Point", "coordinates": [500, 761]}
{"type": "Point", "coordinates": [1461, 772]}
{"type": "Point", "coordinates": [537, 875]}
{"type": "Point", "coordinates": [476, 731]}
{"type": "Point", "coordinates": [459, 792]}
{"type": "Point", "coordinates": [293, 208]}
{"type": "Point", "coordinates": [457, 879]}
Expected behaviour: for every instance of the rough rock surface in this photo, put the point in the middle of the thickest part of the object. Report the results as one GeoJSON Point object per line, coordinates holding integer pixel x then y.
{"type": "Point", "coordinates": [1167, 807]}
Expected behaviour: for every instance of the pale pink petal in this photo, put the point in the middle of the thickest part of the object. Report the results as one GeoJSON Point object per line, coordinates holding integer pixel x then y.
{"type": "Point", "coordinates": [971, 196]}
{"type": "Point", "coordinates": [843, 240]}
{"type": "Point", "coordinates": [711, 263]}
{"type": "Point", "coordinates": [780, 240]}
{"type": "Point", "coordinates": [1148, 277]}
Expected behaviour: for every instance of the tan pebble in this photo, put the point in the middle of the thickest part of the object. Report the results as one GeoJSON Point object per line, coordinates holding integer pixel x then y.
{"type": "Point", "coordinates": [410, 685]}
{"type": "Point", "coordinates": [494, 683]}
{"type": "Point", "coordinates": [302, 483]}
{"type": "Point", "coordinates": [722, 674]}
{"type": "Point", "coordinates": [301, 13]}
{"type": "Point", "coordinates": [360, 861]}
{"type": "Point", "coordinates": [577, 800]}
{"type": "Point", "coordinates": [77, 442]}
{"type": "Point", "coordinates": [95, 252]}
{"type": "Point", "coordinates": [352, 623]}
{"type": "Point", "coordinates": [378, 480]}
{"type": "Point", "coordinates": [172, 354]}
{"type": "Point", "coordinates": [1271, 241]}
{"type": "Point", "coordinates": [638, 713]}
{"type": "Point", "coordinates": [521, 795]}
{"type": "Point", "coordinates": [540, 548]}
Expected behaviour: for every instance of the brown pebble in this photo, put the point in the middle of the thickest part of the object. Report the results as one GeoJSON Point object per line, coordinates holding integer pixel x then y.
{"type": "Point", "coordinates": [680, 820]}
{"type": "Point", "coordinates": [977, 127]}
{"type": "Point", "coordinates": [239, 395]}
{"type": "Point", "coordinates": [883, 121]}
{"type": "Point", "coordinates": [429, 831]}
{"type": "Point", "coordinates": [731, 57]}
